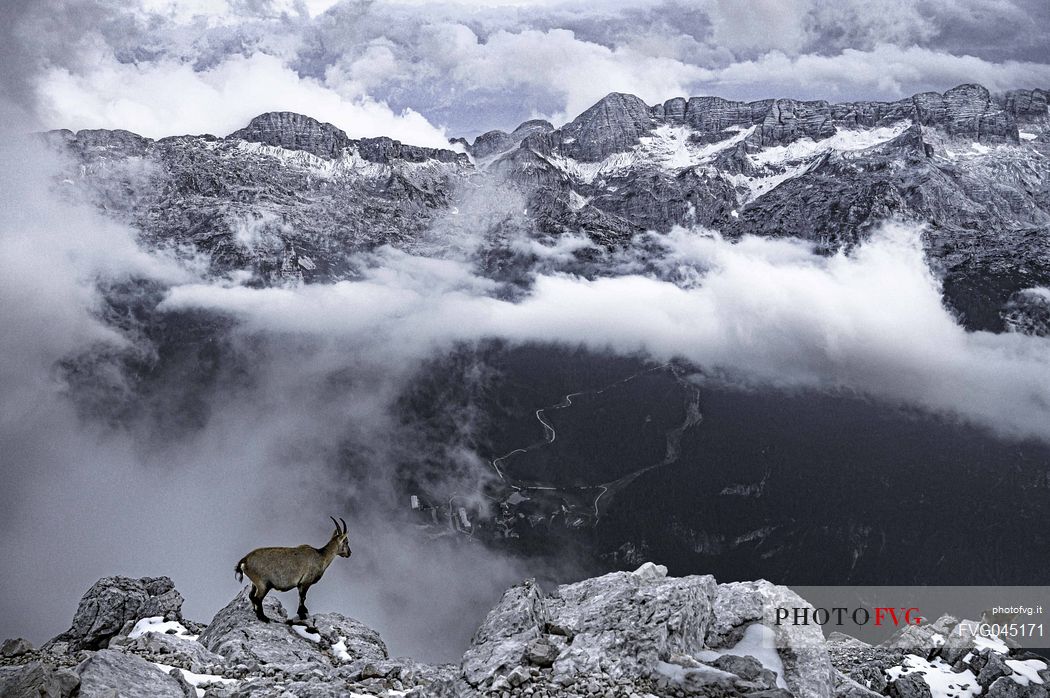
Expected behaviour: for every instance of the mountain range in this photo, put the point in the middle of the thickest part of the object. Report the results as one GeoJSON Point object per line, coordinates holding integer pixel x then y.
{"type": "Point", "coordinates": [289, 195]}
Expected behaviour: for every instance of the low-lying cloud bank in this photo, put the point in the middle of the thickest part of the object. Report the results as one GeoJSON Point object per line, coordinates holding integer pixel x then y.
{"type": "Point", "coordinates": [761, 311]}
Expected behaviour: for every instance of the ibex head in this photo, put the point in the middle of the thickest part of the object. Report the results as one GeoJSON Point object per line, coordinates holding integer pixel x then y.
{"type": "Point", "coordinates": [340, 536]}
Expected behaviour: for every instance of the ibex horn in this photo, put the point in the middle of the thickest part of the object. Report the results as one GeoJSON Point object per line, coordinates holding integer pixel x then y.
{"type": "Point", "coordinates": [344, 524]}
{"type": "Point", "coordinates": [335, 522]}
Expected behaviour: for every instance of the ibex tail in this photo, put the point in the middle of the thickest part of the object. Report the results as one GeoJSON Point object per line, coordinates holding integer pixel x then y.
{"type": "Point", "coordinates": [237, 569]}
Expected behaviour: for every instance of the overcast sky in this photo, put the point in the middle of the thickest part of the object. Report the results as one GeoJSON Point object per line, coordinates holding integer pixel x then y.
{"type": "Point", "coordinates": [423, 71]}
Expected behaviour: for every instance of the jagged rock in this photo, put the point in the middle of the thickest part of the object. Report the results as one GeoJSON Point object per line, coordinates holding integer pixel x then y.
{"type": "Point", "coordinates": [737, 605]}
{"type": "Point", "coordinates": [994, 667]}
{"type": "Point", "coordinates": [241, 638]}
{"type": "Point", "coordinates": [494, 142]}
{"type": "Point", "coordinates": [651, 571]}
{"type": "Point", "coordinates": [295, 132]}
{"type": "Point", "coordinates": [909, 686]}
{"type": "Point", "coordinates": [747, 668]}
{"type": "Point", "coordinates": [112, 142]}
{"type": "Point", "coordinates": [113, 602]}
{"type": "Point", "coordinates": [845, 687]}
{"type": "Point", "coordinates": [187, 651]}
{"type": "Point", "coordinates": [788, 120]}
{"type": "Point", "coordinates": [715, 114]}
{"type": "Point", "coordinates": [499, 643]}
{"type": "Point", "coordinates": [966, 110]}
{"type": "Point", "coordinates": [1026, 103]}
{"type": "Point", "coordinates": [408, 671]}
{"type": "Point", "coordinates": [38, 680]}
{"type": "Point", "coordinates": [921, 639]}
{"type": "Point", "coordinates": [187, 688]}
{"type": "Point", "coordinates": [298, 132]}
{"type": "Point", "coordinates": [542, 652]}
{"type": "Point", "coordinates": [620, 624]}
{"type": "Point", "coordinates": [958, 643]}
{"type": "Point", "coordinates": [273, 688]}
{"type": "Point", "coordinates": [110, 672]}
{"type": "Point", "coordinates": [491, 143]}
{"type": "Point", "coordinates": [861, 663]}
{"type": "Point", "coordinates": [612, 125]}
{"type": "Point", "coordinates": [15, 647]}
{"type": "Point", "coordinates": [387, 150]}
{"type": "Point", "coordinates": [624, 622]}
{"type": "Point", "coordinates": [518, 676]}
{"type": "Point", "coordinates": [353, 637]}
{"type": "Point", "coordinates": [707, 682]}
{"type": "Point", "coordinates": [1006, 687]}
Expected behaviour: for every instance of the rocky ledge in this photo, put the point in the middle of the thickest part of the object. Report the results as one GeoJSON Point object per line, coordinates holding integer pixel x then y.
{"type": "Point", "coordinates": [623, 635]}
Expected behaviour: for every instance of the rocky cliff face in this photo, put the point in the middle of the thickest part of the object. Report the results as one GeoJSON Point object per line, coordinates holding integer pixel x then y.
{"type": "Point", "coordinates": [972, 166]}
{"type": "Point", "coordinates": [295, 132]}
{"type": "Point", "coordinates": [626, 635]}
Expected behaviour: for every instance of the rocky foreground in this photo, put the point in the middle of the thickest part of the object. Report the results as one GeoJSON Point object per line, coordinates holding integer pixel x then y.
{"type": "Point", "coordinates": [626, 634]}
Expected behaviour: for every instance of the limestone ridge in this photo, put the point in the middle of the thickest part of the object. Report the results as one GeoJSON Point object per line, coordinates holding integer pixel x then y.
{"type": "Point", "coordinates": [971, 166]}
{"type": "Point", "coordinates": [618, 121]}
{"type": "Point", "coordinates": [636, 634]}
{"type": "Point", "coordinates": [293, 131]}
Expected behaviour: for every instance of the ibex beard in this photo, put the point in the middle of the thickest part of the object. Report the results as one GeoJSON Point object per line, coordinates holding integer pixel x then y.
{"type": "Point", "coordinates": [286, 568]}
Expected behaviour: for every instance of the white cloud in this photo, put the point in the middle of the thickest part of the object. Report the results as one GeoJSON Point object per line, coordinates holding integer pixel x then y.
{"type": "Point", "coordinates": [886, 69]}
{"type": "Point", "coordinates": [554, 61]}
{"type": "Point", "coordinates": [765, 312]}
{"type": "Point", "coordinates": [168, 97]}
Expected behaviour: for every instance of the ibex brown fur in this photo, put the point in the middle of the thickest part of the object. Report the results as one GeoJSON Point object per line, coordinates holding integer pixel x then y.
{"type": "Point", "coordinates": [285, 568]}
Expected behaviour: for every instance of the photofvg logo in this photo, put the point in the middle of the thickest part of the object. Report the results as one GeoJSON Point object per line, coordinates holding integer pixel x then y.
{"type": "Point", "coordinates": [926, 616]}
{"type": "Point", "coordinates": [879, 616]}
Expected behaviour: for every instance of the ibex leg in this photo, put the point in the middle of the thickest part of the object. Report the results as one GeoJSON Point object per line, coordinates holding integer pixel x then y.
{"type": "Point", "coordinates": [257, 598]}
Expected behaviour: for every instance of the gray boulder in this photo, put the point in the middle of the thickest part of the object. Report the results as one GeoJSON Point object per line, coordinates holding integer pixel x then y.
{"type": "Point", "coordinates": [909, 686]}
{"type": "Point", "coordinates": [112, 602]}
{"type": "Point", "coordinates": [358, 641]}
{"type": "Point", "coordinates": [860, 663]}
{"type": "Point", "coordinates": [845, 687]}
{"type": "Point", "coordinates": [38, 680]}
{"type": "Point", "coordinates": [174, 649]}
{"type": "Point", "coordinates": [747, 668]}
{"type": "Point", "coordinates": [1006, 687]}
{"type": "Point", "coordinates": [542, 652]}
{"type": "Point", "coordinates": [623, 623]}
{"type": "Point", "coordinates": [273, 688]}
{"type": "Point", "coordinates": [619, 624]}
{"type": "Point", "coordinates": [15, 647]}
{"type": "Point", "coordinates": [241, 638]}
{"type": "Point", "coordinates": [994, 668]}
{"type": "Point", "coordinates": [114, 673]}
{"type": "Point", "coordinates": [499, 643]}
{"type": "Point", "coordinates": [958, 644]}
{"type": "Point", "coordinates": [738, 605]}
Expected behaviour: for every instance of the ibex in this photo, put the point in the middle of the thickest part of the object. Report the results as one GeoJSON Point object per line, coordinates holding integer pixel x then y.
{"type": "Point", "coordinates": [285, 568]}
